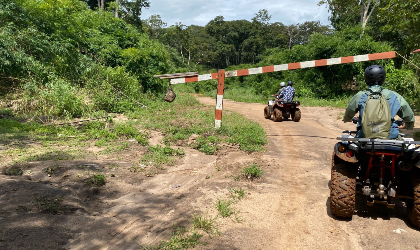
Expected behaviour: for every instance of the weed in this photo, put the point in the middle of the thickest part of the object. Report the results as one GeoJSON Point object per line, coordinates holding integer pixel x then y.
{"type": "Point", "coordinates": [208, 176]}
{"type": "Point", "coordinates": [112, 174]}
{"type": "Point", "coordinates": [236, 177]}
{"type": "Point", "coordinates": [137, 168]}
{"type": "Point", "coordinates": [114, 166]}
{"type": "Point", "coordinates": [217, 168]}
{"type": "Point", "coordinates": [252, 172]}
{"type": "Point", "coordinates": [51, 170]}
{"type": "Point", "coordinates": [182, 238]}
{"type": "Point", "coordinates": [224, 207]}
{"type": "Point", "coordinates": [205, 224]}
{"type": "Point", "coordinates": [14, 171]}
{"type": "Point", "coordinates": [97, 180]}
{"type": "Point", "coordinates": [49, 205]}
{"type": "Point", "coordinates": [161, 155]}
{"type": "Point", "coordinates": [237, 193]}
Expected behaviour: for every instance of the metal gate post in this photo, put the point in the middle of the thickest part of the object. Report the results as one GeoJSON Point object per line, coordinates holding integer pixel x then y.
{"type": "Point", "coordinates": [219, 99]}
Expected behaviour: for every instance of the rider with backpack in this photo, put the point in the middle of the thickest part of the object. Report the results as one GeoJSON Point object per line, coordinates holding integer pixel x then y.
{"type": "Point", "coordinates": [377, 108]}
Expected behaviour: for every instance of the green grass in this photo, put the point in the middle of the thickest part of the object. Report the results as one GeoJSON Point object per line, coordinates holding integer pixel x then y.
{"type": "Point", "coordinates": [252, 172]}
{"type": "Point", "coordinates": [182, 238]}
{"type": "Point", "coordinates": [237, 193]}
{"type": "Point", "coordinates": [97, 180]}
{"type": "Point", "coordinates": [158, 155]}
{"type": "Point", "coordinates": [224, 207]}
{"type": "Point", "coordinates": [14, 171]}
{"type": "Point", "coordinates": [49, 205]}
{"type": "Point", "coordinates": [186, 116]}
{"type": "Point", "coordinates": [204, 223]}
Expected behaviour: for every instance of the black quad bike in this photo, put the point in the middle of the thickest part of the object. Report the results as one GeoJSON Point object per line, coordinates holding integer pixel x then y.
{"type": "Point", "coordinates": [282, 110]}
{"type": "Point", "coordinates": [378, 172]}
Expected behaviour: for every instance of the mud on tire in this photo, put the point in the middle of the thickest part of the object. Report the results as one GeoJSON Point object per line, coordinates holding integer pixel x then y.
{"type": "Point", "coordinates": [296, 116]}
{"type": "Point", "coordinates": [413, 207]}
{"type": "Point", "coordinates": [277, 115]}
{"type": "Point", "coordinates": [267, 114]}
{"type": "Point", "coordinates": [343, 188]}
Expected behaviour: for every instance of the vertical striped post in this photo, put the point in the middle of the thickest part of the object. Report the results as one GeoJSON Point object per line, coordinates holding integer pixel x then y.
{"type": "Point", "coordinates": [219, 99]}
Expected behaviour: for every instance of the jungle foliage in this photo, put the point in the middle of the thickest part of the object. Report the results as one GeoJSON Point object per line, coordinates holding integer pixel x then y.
{"type": "Point", "coordinates": [75, 58]}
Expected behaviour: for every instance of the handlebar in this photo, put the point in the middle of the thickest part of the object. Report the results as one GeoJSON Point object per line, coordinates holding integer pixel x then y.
{"type": "Point", "coordinates": [399, 122]}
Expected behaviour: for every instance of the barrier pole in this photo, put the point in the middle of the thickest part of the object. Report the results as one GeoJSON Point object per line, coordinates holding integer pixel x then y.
{"type": "Point", "coordinates": [219, 99]}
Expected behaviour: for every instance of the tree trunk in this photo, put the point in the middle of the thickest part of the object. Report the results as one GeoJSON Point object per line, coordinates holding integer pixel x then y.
{"type": "Point", "coordinates": [365, 14]}
{"type": "Point", "coordinates": [103, 5]}
{"type": "Point", "coordinates": [116, 8]}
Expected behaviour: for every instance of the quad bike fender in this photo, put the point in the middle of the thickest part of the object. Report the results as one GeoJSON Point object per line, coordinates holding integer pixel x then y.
{"type": "Point", "coordinates": [343, 155]}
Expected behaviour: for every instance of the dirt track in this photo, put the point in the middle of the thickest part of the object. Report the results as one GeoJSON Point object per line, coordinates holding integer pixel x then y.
{"type": "Point", "coordinates": [292, 211]}
{"type": "Point", "coordinates": [286, 209]}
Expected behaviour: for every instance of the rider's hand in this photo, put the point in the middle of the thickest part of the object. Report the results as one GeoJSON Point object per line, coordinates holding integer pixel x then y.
{"type": "Point", "coordinates": [273, 95]}
{"type": "Point", "coordinates": [402, 126]}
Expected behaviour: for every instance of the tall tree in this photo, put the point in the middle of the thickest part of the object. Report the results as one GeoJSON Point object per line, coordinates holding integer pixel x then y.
{"type": "Point", "coordinates": [347, 11]}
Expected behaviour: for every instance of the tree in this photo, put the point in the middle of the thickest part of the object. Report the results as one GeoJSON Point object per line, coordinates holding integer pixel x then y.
{"type": "Point", "coordinates": [154, 26]}
{"type": "Point", "coordinates": [130, 10]}
{"type": "Point", "coordinates": [346, 11]}
{"type": "Point", "coordinates": [403, 17]}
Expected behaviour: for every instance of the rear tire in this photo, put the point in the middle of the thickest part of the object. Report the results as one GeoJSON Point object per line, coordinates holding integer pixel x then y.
{"type": "Point", "coordinates": [343, 188]}
{"type": "Point", "coordinates": [296, 116]}
{"type": "Point", "coordinates": [413, 207]}
{"type": "Point", "coordinates": [277, 115]}
{"type": "Point", "coordinates": [267, 114]}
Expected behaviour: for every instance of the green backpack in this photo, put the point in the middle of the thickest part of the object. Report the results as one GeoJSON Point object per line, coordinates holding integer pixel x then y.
{"type": "Point", "coordinates": [376, 120]}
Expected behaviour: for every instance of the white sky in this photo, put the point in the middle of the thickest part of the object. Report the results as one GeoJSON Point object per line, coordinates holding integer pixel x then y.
{"type": "Point", "coordinates": [200, 12]}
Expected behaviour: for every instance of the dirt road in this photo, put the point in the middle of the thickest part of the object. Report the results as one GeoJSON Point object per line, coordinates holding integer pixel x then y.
{"type": "Point", "coordinates": [292, 212]}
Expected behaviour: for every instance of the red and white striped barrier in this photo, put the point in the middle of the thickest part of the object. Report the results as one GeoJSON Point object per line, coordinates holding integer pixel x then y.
{"type": "Point", "coordinates": [288, 66]}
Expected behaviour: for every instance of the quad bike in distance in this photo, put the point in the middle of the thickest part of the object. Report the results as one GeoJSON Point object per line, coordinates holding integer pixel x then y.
{"type": "Point", "coordinates": [282, 110]}
{"type": "Point", "coordinates": [379, 170]}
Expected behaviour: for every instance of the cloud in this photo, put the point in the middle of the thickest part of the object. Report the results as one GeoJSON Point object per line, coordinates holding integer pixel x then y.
{"type": "Point", "coordinates": [200, 12]}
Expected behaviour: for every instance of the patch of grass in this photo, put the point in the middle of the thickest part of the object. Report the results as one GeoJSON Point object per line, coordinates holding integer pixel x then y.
{"type": "Point", "coordinates": [182, 238]}
{"type": "Point", "coordinates": [207, 145]}
{"type": "Point", "coordinates": [14, 171]}
{"type": "Point", "coordinates": [137, 168]}
{"type": "Point", "coordinates": [51, 170]}
{"type": "Point", "coordinates": [49, 205]}
{"type": "Point", "coordinates": [159, 155]}
{"type": "Point", "coordinates": [205, 224]}
{"type": "Point", "coordinates": [252, 172]}
{"type": "Point", "coordinates": [224, 207]}
{"type": "Point", "coordinates": [237, 193]}
{"type": "Point", "coordinates": [116, 148]}
{"type": "Point", "coordinates": [97, 180]}
{"type": "Point", "coordinates": [185, 117]}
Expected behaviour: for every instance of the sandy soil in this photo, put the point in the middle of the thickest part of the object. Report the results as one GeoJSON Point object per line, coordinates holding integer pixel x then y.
{"type": "Point", "coordinates": [286, 209]}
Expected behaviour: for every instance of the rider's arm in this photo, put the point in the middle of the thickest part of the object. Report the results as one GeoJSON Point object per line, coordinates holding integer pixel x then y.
{"type": "Point", "coordinates": [405, 112]}
{"type": "Point", "coordinates": [353, 107]}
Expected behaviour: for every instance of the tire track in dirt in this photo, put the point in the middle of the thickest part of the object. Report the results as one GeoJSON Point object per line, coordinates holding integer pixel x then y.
{"type": "Point", "coordinates": [295, 214]}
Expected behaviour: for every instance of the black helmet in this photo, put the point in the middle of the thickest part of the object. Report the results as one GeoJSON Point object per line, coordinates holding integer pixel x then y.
{"type": "Point", "coordinates": [375, 75]}
{"type": "Point", "coordinates": [289, 83]}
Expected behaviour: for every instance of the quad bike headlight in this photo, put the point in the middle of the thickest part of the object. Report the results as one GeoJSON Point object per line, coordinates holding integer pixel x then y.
{"type": "Point", "coordinates": [341, 149]}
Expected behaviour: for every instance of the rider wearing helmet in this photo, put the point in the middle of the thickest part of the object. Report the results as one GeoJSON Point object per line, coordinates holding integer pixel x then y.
{"type": "Point", "coordinates": [287, 93]}
{"type": "Point", "coordinates": [375, 77]}
{"type": "Point", "coordinates": [282, 85]}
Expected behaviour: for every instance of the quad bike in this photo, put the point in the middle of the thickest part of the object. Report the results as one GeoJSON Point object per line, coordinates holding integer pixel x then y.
{"type": "Point", "coordinates": [381, 171]}
{"type": "Point", "coordinates": [282, 110]}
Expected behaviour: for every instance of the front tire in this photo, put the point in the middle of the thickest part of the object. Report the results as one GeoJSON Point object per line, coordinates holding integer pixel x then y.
{"type": "Point", "coordinates": [413, 207]}
{"type": "Point", "coordinates": [343, 188]}
{"type": "Point", "coordinates": [296, 116]}
{"type": "Point", "coordinates": [277, 115]}
{"type": "Point", "coordinates": [267, 114]}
